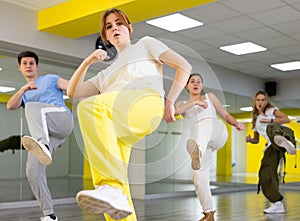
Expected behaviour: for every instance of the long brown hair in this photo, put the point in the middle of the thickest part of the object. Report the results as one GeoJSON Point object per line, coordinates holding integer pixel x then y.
{"type": "Point", "coordinates": [120, 14]}
{"type": "Point", "coordinates": [255, 111]}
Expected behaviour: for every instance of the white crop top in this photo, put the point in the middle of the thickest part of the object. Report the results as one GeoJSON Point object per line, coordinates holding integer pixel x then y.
{"type": "Point", "coordinates": [198, 113]}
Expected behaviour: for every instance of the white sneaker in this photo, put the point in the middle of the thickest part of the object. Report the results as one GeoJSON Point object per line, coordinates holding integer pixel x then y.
{"type": "Point", "coordinates": [39, 150]}
{"type": "Point", "coordinates": [105, 199]}
{"type": "Point", "coordinates": [47, 218]}
{"type": "Point", "coordinates": [277, 207]}
{"type": "Point", "coordinates": [285, 143]}
{"type": "Point", "coordinates": [195, 154]}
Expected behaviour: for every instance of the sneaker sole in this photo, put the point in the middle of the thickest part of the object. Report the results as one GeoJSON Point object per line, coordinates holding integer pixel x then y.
{"type": "Point", "coordinates": [97, 206]}
{"type": "Point", "coordinates": [285, 144]}
{"type": "Point", "coordinates": [275, 212]}
{"type": "Point", "coordinates": [195, 154]}
{"type": "Point", "coordinates": [33, 147]}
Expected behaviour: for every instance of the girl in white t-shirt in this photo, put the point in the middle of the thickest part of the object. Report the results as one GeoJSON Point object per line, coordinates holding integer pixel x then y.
{"type": "Point", "coordinates": [267, 121]}
{"type": "Point", "coordinates": [123, 103]}
{"type": "Point", "coordinates": [207, 135]}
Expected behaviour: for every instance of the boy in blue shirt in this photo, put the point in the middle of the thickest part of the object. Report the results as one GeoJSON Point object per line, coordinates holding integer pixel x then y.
{"type": "Point", "coordinates": [49, 122]}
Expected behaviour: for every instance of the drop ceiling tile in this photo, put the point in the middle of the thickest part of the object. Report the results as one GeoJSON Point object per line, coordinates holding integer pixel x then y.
{"type": "Point", "coordinates": [229, 60]}
{"type": "Point", "coordinates": [276, 16]}
{"type": "Point", "coordinates": [297, 6]}
{"type": "Point", "coordinates": [277, 42]}
{"type": "Point", "coordinates": [292, 1]}
{"type": "Point", "coordinates": [175, 37]}
{"type": "Point", "coordinates": [295, 56]}
{"type": "Point", "coordinates": [248, 7]}
{"type": "Point", "coordinates": [223, 40]}
{"type": "Point", "coordinates": [236, 24]}
{"type": "Point", "coordinates": [287, 28]}
{"type": "Point", "coordinates": [142, 29]}
{"type": "Point", "coordinates": [287, 51]}
{"type": "Point", "coordinates": [202, 32]}
{"type": "Point", "coordinates": [268, 57]}
{"type": "Point", "coordinates": [199, 46]}
{"type": "Point", "coordinates": [258, 34]}
{"type": "Point", "coordinates": [212, 54]}
{"type": "Point", "coordinates": [204, 13]}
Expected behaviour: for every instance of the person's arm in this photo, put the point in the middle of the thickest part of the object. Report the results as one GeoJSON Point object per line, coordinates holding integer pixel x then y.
{"type": "Point", "coordinates": [223, 113]}
{"type": "Point", "coordinates": [62, 84]}
{"type": "Point", "coordinates": [281, 118]}
{"type": "Point", "coordinates": [254, 140]}
{"type": "Point", "coordinates": [79, 88]}
{"type": "Point", "coordinates": [15, 101]}
{"type": "Point", "coordinates": [182, 107]}
{"type": "Point", "coordinates": [182, 71]}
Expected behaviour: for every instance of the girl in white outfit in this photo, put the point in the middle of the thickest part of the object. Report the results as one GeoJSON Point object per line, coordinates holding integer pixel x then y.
{"type": "Point", "coordinates": [207, 135]}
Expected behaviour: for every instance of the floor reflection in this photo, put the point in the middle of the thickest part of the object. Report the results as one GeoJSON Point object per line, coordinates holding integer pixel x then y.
{"type": "Point", "coordinates": [12, 190]}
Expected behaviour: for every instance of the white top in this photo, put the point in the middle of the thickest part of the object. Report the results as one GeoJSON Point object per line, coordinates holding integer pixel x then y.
{"type": "Point", "coordinates": [136, 67]}
{"type": "Point", "coordinates": [197, 113]}
{"type": "Point", "coordinates": [261, 128]}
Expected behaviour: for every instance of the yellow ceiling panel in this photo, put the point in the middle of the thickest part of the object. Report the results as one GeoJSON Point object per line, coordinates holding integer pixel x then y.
{"type": "Point", "coordinates": [77, 18]}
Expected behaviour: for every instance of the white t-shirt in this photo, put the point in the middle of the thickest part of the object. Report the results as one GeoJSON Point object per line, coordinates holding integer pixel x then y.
{"type": "Point", "coordinates": [261, 128]}
{"type": "Point", "coordinates": [136, 67]}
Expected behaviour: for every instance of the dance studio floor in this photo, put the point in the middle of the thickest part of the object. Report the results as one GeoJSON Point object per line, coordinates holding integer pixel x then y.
{"type": "Point", "coordinates": [234, 203]}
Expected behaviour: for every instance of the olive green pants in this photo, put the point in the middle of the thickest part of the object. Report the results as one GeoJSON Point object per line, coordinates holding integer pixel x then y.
{"type": "Point", "coordinates": [268, 178]}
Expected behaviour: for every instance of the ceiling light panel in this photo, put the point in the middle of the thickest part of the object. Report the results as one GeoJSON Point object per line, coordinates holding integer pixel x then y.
{"type": "Point", "coordinates": [174, 22]}
{"type": "Point", "coordinates": [243, 48]}
{"type": "Point", "coordinates": [4, 89]}
{"type": "Point", "coordinates": [288, 66]}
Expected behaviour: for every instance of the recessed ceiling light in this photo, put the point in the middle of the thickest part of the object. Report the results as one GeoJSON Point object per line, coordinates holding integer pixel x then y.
{"type": "Point", "coordinates": [4, 89]}
{"type": "Point", "coordinates": [174, 22]}
{"type": "Point", "coordinates": [0, 69]}
{"type": "Point", "coordinates": [243, 48]}
{"type": "Point", "coordinates": [246, 109]}
{"type": "Point", "coordinates": [289, 66]}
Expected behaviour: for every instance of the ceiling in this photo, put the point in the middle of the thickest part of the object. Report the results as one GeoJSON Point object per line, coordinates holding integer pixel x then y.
{"type": "Point", "coordinates": [274, 24]}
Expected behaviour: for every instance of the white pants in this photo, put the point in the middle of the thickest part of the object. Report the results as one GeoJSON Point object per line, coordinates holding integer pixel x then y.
{"type": "Point", "coordinates": [210, 135]}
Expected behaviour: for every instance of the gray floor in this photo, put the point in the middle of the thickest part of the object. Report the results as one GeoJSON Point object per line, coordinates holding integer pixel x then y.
{"type": "Point", "coordinates": [234, 203]}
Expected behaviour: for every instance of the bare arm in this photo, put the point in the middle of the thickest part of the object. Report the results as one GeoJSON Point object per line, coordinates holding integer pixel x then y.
{"type": "Point", "coordinates": [79, 88]}
{"type": "Point", "coordinates": [62, 84]}
{"type": "Point", "coordinates": [223, 113]}
{"type": "Point", "coordinates": [254, 140]}
{"type": "Point", "coordinates": [182, 72]}
{"type": "Point", "coordinates": [182, 106]}
{"type": "Point", "coordinates": [15, 101]}
{"type": "Point", "coordinates": [281, 118]}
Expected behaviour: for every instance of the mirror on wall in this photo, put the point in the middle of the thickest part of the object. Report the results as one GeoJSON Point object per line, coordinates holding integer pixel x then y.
{"type": "Point", "coordinates": [167, 162]}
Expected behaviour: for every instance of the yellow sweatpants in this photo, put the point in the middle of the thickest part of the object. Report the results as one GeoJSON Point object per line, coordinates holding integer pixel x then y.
{"type": "Point", "coordinates": [110, 124]}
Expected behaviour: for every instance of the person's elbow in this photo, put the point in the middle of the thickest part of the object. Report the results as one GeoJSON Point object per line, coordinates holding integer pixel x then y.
{"type": "Point", "coordinates": [188, 67]}
{"type": "Point", "coordinates": [70, 93]}
{"type": "Point", "coordinates": [9, 106]}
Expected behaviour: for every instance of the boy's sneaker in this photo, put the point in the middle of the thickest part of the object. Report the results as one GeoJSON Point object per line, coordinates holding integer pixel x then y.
{"type": "Point", "coordinates": [39, 150]}
{"type": "Point", "coordinates": [277, 207]}
{"type": "Point", "coordinates": [48, 218]}
{"type": "Point", "coordinates": [195, 153]}
{"type": "Point", "coordinates": [285, 143]}
{"type": "Point", "coordinates": [105, 199]}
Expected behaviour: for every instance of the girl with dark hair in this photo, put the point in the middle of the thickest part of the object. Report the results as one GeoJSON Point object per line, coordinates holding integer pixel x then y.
{"type": "Point", "coordinates": [207, 135]}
